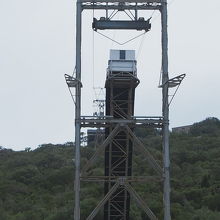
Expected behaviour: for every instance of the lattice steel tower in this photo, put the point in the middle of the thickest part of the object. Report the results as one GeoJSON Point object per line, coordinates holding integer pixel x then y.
{"type": "Point", "coordinates": [119, 121]}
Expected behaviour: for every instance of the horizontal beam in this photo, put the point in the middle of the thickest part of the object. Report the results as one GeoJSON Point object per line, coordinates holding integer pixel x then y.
{"type": "Point", "coordinates": [115, 179]}
{"type": "Point", "coordinates": [106, 122]}
{"type": "Point", "coordinates": [121, 25]}
{"type": "Point", "coordinates": [119, 7]}
{"type": "Point", "coordinates": [123, 1]}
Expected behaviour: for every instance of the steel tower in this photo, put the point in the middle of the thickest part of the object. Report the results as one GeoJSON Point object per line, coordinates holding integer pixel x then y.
{"type": "Point", "coordinates": [117, 127]}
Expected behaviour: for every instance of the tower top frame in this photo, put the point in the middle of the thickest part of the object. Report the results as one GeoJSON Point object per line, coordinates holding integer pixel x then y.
{"type": "Point", "coordinates": [122, 4]}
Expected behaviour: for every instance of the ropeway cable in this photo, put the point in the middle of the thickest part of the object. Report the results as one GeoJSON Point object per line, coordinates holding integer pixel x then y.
{"type": "Point", "coordinates": [93, 55]}
{"type": "Point", "coordinates": [119, 42]}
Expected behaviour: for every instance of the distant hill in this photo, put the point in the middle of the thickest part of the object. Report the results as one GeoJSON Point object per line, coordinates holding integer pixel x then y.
{"type": "Point", "coordinates": [210, 126]}
{"type": "Point", "coordinates": [38, 184]}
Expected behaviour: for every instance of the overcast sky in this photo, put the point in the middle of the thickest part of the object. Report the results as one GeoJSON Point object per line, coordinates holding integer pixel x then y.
{"type": "Point", "coordinates": [37, 47]}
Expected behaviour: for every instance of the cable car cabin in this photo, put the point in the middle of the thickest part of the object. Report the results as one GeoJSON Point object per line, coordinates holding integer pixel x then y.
{"type": "Point", "coordinates": [122, 68]}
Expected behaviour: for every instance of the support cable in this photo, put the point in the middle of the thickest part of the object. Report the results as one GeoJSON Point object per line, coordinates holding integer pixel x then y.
{"type": "Point", "coordinates": [140, 46]}
{"type": "Point", "coordinates": [119, 42]}
{"type": "Point", "coordinates": [74, 72]}
{"type": "Point", "coordinates": [72, 96]}
{"type": "Point", "coordinates": [174, 95]}
{"type": "Point", "coordinates": [160, 78]}
{"type": "Point", "coordinates": [113, 14]}
{"type": "Point", "coordinates": [93, 54]}
{"type": "Point", "coordinates": [132, 14]}
{"type": "Point", "coordinates": [129, 15]}
{"type": "Point", "coordinates": [143, 38]}
{"type": "Point", "coordinates": [114, 32]}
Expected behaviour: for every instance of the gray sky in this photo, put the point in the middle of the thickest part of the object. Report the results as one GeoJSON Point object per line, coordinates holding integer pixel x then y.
{"type": "Point", "coordinates": [37, 47]}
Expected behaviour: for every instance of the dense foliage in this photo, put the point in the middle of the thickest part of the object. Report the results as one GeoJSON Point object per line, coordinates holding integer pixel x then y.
{"type": "Point", "coordinates": [38, 184]}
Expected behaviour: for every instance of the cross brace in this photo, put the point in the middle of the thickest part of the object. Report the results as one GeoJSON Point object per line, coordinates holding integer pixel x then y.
{"type": "Point", "coordinates": [140, 146]}
{"type": "Point", "coordinates": [133, 193]}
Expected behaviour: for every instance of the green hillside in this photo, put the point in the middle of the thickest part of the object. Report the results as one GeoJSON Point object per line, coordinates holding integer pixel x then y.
{"type": "Point", "coordinates": [38, 184]}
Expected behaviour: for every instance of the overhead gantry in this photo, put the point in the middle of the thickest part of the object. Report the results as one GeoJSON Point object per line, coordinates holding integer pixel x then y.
{"type": "Point", "coordinates": [115, 126]}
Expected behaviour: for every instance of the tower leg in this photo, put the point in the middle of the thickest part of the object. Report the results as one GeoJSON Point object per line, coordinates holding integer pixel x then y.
{"type": "Point", "coordinates": [77, 111]}
{"type": "Point", "coordinates": [165, 77]}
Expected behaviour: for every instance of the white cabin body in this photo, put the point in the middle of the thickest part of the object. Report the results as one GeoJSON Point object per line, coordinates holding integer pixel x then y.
{"type": "Point", "coordinates": [122, 61]}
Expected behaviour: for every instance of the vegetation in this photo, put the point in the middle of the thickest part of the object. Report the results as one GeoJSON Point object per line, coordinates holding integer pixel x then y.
{"type": "Point", "coordinates": [38, 184]}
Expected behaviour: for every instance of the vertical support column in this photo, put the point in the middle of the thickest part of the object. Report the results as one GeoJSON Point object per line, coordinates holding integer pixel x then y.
{"type": "Point", "coordinates": [165, 109]}
{"type": "Point", "coordinates": [78, 110]}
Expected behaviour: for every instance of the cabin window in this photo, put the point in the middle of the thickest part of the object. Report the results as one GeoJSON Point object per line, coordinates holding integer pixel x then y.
{"type": "Point", "coordinates": [122, 54]}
